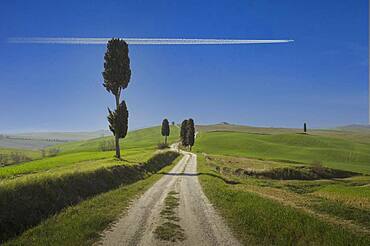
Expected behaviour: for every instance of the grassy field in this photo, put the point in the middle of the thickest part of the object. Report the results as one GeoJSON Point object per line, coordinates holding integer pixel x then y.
{"type": "Point", "coordinates": [83, 223]}
{"type": "Point", "coordinates": [39, 140]}
{"type": "Point", "coordinates": [33, 154]}
{"type": "Point", "coordinates": [11, 156]}
{"type": "Point", "coordinates": [336, 152]}
{"type": "Point", "coordinates": [147, 138]}
{"type": "Point", "coordinates": [32, 191]}
{"type": "Point", "coordinates": [275, 212]}
{"type": "Point", "coordinates": [257, 178]}
{"type": "Point", "coordinates": [137, 147]}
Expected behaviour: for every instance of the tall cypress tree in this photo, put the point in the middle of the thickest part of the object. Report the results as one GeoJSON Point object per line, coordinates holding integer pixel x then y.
{"type": "Point", "coordinates": [117, 74]}
{"type": "Point", "coordinates": [183, 134]}
{"type": "Point", "coordinates": [165, 130]}
{"type": "Point", "coordinates": [190, 133]}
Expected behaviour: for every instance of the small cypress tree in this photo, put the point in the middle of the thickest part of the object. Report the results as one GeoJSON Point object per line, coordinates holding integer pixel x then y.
{"type": "Point", "coordinates": [190, 133]}
{"type": "Point", "coordinates": [183, 134]}
{"type": "Point", "coordinates": [305, 128]}
{"type": "Point", "coordinates": [118, 120]}
{"type": "Point", "coordinates": [165, 130]}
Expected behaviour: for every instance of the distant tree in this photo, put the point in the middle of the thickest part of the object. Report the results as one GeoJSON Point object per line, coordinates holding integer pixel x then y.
{"type": "Point", "coordinates": [173, 123]}
{"type": "Point", "coordinates": [107, 145]}
{"type": "Point", "coordinates": [54, 151]}
{"type": "Point", "coordinates": [305, 128]}
{"type": "Point", "coordinates": [190, 133]}
{"type": "Point", "coordinates": [3, 159]}
{"type": "Point", "coordinates": [18, 157]}
{"type": "Point", "coordinates": [183, 134]}
{"type": "Point", "coordinates": [43, 153]}
{"type": "Point", "coordinates": [117, 74]}
{"type": "Point", "coordinates": [165, 130]}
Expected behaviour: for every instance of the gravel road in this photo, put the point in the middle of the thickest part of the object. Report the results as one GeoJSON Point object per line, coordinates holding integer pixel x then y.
{"type": "Point", "coordinates": [194, 216]}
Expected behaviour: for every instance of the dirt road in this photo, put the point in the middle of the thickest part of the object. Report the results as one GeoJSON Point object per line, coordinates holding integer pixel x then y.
{"type": "Point", "coordinates": [174, 211]}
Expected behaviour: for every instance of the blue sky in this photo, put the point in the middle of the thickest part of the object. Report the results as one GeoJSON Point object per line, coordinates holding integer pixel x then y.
{"type": "Point", "coordinates": [321, 78]}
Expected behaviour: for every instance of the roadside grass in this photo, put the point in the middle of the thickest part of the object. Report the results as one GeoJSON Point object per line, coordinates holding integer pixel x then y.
{"type": "Point", "coordinates": [25, 204]}
{"type": "Point", "coordinates": [340, 210]}
{"type": "Point", "coordinates": [32, 191]}
{"type": "Point", "coordinates": [257, 214]}
{"type": "Point", "coordinates": [83, 223]}
{"type": "Point", "coordinates": [345, 198]}
{"type": "Point", "coordinates": [332, 152]}
{"type": "Point", "coordinates": [353, 192]}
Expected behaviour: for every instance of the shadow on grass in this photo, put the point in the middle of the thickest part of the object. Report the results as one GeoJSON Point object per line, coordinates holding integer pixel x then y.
{"type": "Point", "coordinates": [125, 160]}
{"type": "Point", "coordinates": [198, 174]}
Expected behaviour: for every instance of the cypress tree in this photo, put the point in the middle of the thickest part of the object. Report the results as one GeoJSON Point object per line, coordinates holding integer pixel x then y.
{"type": "Point", "coordinates": [165, 130]}
{"type": "Point", "coordinates": [118, 120]}
{"type": "Point", "coordinates": [183, 134]}
{"type": "Point", "coordinates": [117, 74]}
{"type": "Point", "coordinates": [190, 133]}
{"type": "Point", "coordinates": [305, 128]}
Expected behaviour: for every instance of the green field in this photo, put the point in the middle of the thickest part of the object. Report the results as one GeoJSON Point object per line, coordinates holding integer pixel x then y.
{"type": "Point", "coordinates": [6, 155]}
{"type": "Point", "coordinates": [31, 192]}
{"type": "Point", "coordinates": [146, 138]}
{"type": "Point", "coordinates": [272, 185]}
{"type": "Point", "coordinates": [40, 140]}
{"type": "Point", "coordinates": [256, 178]}
{"type": "Point", "coordinates": [137, 147]}
{"type": "Point", "coordinates": [30, 153]}
{"type": "Point", "coordinates": [336, 152]}
{"type": "Point", "coordinates": [81, 224]}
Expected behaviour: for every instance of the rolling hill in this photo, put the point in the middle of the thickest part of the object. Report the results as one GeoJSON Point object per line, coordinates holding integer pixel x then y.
{"type": "Point", "coordinates": [39, 140]}
{"type": "Point", "coordinates": [277, 186]}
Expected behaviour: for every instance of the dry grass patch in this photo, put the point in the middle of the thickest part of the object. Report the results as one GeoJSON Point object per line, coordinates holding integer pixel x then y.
{"type": "Point", "coordinates": [169, 230]}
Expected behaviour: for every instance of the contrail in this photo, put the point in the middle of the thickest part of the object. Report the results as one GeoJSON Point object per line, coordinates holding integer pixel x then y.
{"type": "Point", "coordinates": [141, 41]}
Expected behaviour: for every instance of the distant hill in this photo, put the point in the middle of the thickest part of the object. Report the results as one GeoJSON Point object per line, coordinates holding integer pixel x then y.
{"type": "Point", "coordinates": [63, 136]}
{"type": "Point", "coordinates": [355, 127]}
{"type": "Point", "coordinates": [39, 140]}
{"type": "Point", "coordinates": [224, 126]}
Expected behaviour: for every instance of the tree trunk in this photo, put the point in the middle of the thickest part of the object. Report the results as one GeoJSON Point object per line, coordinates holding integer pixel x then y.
{"type": "Point", "coordinates": [165, 139]}
{"type": "Point", "coordinates": [118, 150]}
